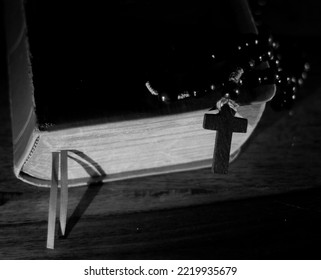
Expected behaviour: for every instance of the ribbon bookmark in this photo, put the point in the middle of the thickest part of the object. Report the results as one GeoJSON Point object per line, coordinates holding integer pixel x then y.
{"type": "Point", "coordinates": [63, 156]}
{"type": "Point", "coordinates": [53, 201]}
{"type": "Point", "coordinates": [63, 190]}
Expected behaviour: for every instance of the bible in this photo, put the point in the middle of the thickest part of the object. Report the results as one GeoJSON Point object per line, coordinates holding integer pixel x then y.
{"type": "Point", "coordinates": [79, 81]}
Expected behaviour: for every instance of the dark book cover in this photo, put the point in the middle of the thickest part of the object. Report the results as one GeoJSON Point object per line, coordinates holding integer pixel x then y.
{"type": "Point", "coordinates": [91, 60]}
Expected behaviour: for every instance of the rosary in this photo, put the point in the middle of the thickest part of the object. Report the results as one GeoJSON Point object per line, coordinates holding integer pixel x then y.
{"type": "Point", "coordinates": [250, 52]}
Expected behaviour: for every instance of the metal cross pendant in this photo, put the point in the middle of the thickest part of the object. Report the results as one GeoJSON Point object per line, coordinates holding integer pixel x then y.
{"type": "Point", "coordinates": [225, 124]}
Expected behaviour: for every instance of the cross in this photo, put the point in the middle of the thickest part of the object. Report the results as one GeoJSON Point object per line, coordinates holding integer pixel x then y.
{"type": "Point", "coordinates": [225, 124]}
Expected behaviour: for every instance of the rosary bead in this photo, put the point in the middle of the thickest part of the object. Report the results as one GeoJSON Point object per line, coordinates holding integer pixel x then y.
{"type": "Point", "coordinates": [275, 45]}
{"type": "Point", "coordinates": [275, 64]}
{"type": "Point", "coordinates": [300, 82]}
{"type": "Point", "coordinates": [232, 89]}
{"type": "Point", "coordinates": [259, 80]}
{"type": "Point", "coordinates": [283, 79]}
{"type": "Point", "coordinates": [237, 91]}
{"type": "Point", "coordinates": [259, 77]}
{"type": "Point", "coordinates": [248, 53]}
{"type": "Point", "coordinates": [165, 98]}
{"type": "Point", "coordinates": [269, 55]}
{"type": "Point", "coordinates": [251, 63]}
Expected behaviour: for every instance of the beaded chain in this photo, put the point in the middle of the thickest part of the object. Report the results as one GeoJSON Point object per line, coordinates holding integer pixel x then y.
{"type": "Point", "coordinates": [250, 51]}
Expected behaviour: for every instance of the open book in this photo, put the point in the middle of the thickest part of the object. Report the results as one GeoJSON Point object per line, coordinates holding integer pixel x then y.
{"type": "Point", "coordinates": [76, 78]}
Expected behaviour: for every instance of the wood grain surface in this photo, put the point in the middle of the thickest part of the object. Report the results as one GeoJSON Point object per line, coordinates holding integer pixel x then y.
{"type": "Point", "coordinates": [267, 207]}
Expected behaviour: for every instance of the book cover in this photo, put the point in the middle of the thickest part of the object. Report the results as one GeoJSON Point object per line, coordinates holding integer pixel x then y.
{"type": "Point", "coordinates": [78, 74]}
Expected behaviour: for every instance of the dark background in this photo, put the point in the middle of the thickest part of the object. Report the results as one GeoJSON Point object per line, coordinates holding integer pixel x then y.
{"type": "Point", "coordinates": [268, 207]}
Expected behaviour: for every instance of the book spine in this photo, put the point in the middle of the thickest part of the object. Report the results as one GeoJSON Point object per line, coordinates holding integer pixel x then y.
{"type": "Point", "coordinates": [23, 117]}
